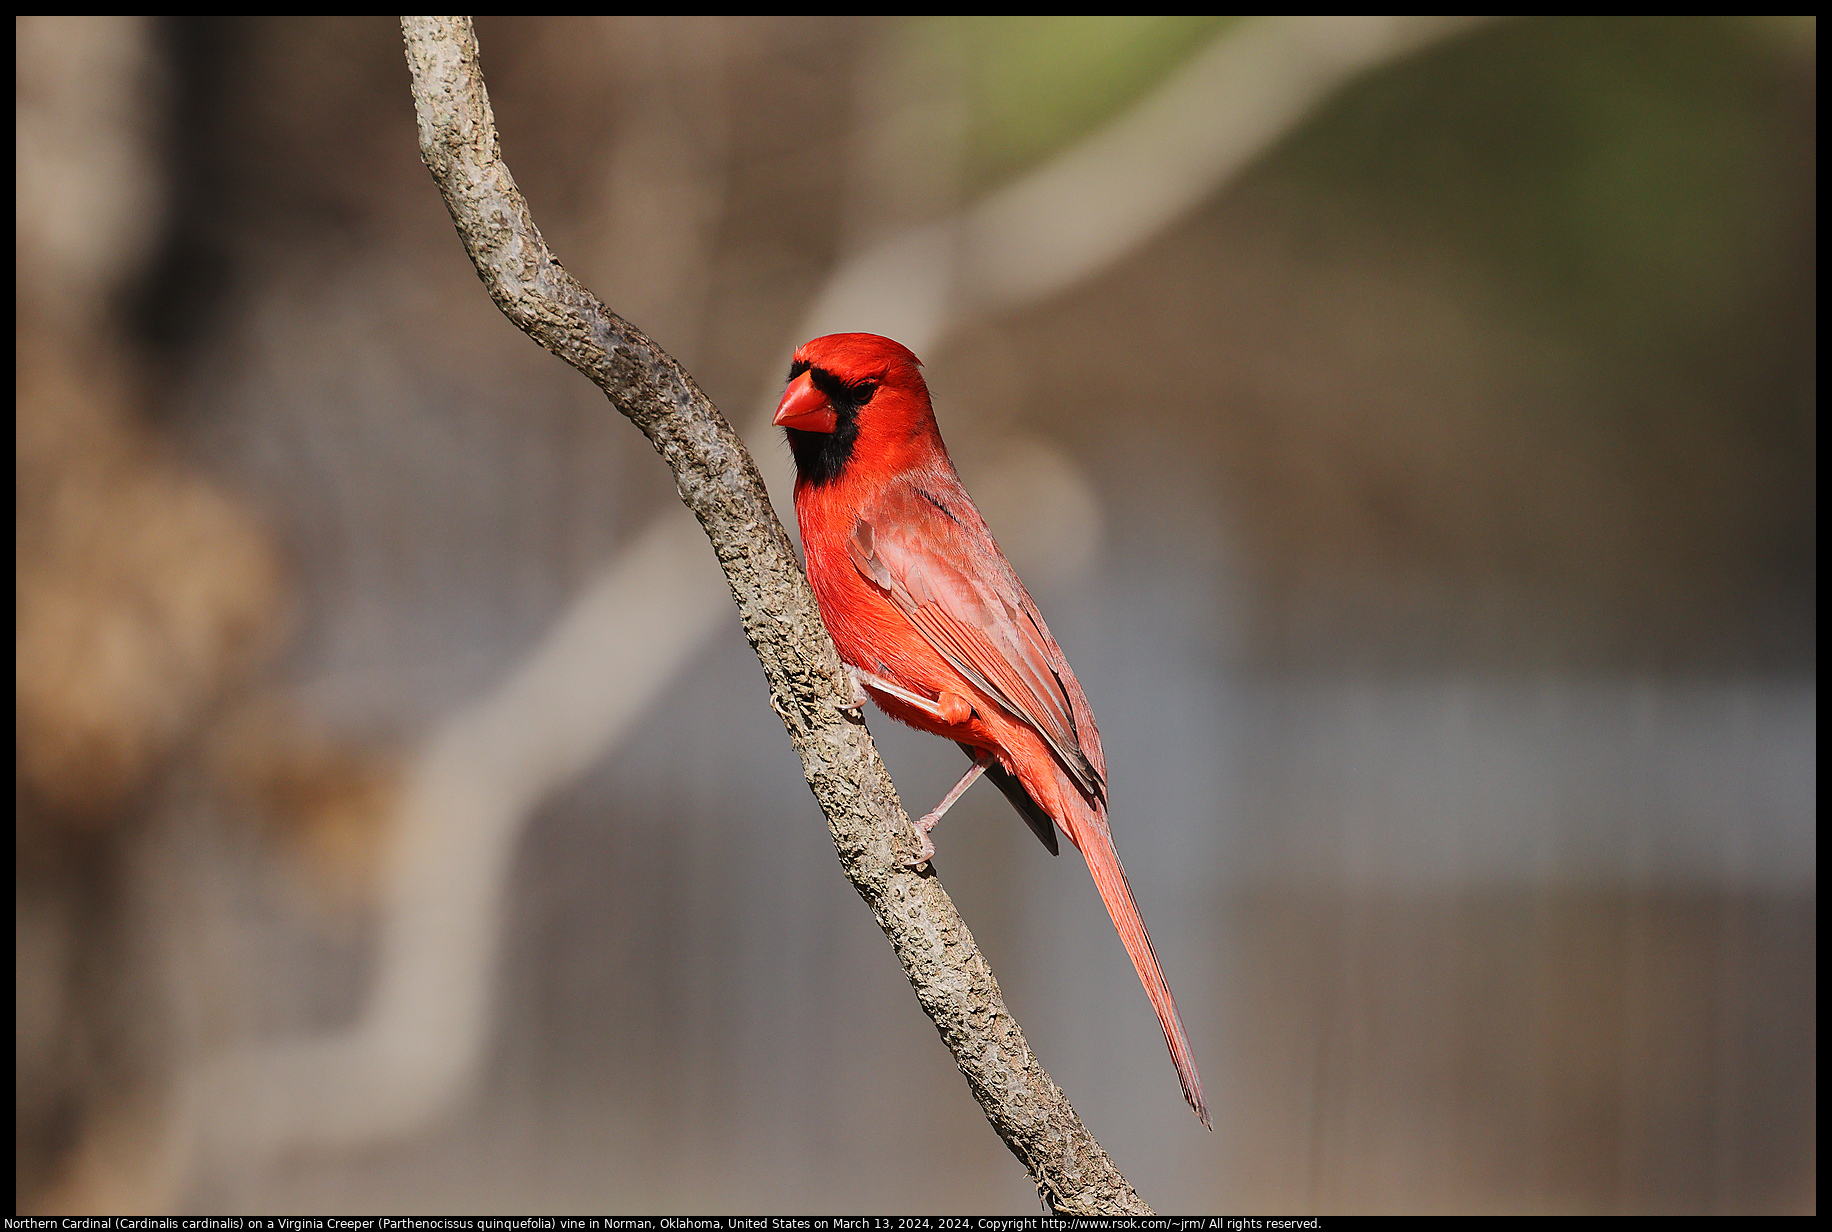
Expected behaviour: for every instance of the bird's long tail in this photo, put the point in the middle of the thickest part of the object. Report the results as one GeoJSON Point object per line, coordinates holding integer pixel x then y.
{"type": "Point", "coordinates": [1104, 862]}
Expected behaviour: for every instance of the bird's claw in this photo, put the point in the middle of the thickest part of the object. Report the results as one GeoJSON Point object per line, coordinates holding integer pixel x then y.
{"type": "Point", "coordinates": [925, 852]}
{"type": "Point", "coordinates": [856, 702]}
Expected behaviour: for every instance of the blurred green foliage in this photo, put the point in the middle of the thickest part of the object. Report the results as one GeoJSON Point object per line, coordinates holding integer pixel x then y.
{"type": "Point", "coordinates": [1643, 189]}
{"type": "Point", "coordinates": [1639, 181]}
{"type": "Point", "coordinates": [1038, 83]}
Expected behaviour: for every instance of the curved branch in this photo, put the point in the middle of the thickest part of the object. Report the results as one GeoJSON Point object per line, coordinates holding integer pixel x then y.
{"type": "Point", "coordinates": [718, 481]}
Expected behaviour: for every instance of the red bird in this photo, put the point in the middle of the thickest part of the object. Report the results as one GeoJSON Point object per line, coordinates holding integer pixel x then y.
{"type": "Point", "coordinates": [933, 622]}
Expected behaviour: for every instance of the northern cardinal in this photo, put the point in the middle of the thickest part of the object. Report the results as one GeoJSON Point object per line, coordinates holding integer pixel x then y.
{"type": "Point", "coordinates": [933, 622]}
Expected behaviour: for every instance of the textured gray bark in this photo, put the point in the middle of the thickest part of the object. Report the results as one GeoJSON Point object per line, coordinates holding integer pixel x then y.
{"type": "Point", "coordinates": [718, 481]}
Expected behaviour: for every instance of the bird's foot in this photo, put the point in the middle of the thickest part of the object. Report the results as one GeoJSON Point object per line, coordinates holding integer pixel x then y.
{"type": "Point", "coordinates": [855, 702]}
{"type": "Point", "coordinates": [925, 850]}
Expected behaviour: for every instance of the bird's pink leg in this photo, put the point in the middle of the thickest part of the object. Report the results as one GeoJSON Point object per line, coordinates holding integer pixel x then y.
{"type": "Point", "coordinates": [860, 678]}
{"type": "Point", "coordinates": [927, 822]}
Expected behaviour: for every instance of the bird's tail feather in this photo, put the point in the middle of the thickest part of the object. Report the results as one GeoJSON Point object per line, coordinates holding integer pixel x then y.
{"type": "Point", "coordinates": [1110, 879]}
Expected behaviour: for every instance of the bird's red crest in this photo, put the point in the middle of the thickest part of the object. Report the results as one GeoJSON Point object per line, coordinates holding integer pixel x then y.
{"type": "Point", "coordinates": [856, 358]}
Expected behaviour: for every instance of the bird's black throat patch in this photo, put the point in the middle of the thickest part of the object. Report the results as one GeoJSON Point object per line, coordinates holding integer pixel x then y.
{"type": "Point", "coordinates": [821, 457]}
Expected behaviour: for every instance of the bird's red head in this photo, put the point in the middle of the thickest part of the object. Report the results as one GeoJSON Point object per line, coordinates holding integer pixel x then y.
{"type": "Point", "coordinates": [854, 393]}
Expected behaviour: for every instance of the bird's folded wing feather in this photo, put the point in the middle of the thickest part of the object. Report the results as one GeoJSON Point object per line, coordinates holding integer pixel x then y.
{"type": "Point", "coordinates": [935, 559]}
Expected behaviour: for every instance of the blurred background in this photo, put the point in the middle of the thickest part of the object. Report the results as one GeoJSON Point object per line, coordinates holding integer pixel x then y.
{"type": "Point", "coordinates": [1408, 429]}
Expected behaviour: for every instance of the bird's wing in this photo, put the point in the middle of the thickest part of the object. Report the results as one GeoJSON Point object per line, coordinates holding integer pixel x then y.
{"type": "Point", "coordinates": [932, 554]}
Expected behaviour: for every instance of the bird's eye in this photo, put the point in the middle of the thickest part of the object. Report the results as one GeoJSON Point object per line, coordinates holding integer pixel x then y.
{"type": "Point", "coordinates": [835, 387]}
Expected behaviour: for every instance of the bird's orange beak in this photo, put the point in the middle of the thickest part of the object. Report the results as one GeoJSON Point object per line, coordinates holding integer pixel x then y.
{"type": "Point", "coordinates": [805, 407]}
